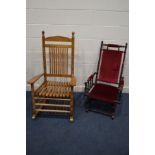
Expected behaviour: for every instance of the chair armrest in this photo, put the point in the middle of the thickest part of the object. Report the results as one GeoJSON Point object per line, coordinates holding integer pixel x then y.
{"type": "Point", "coordinates": [73, 81]}
{"type": "Point", "coordinates": [34, 79]}
{"type": "Point", "coordinates": [91, 76]}
{"type": "Point", "coordinates": [89, 84]}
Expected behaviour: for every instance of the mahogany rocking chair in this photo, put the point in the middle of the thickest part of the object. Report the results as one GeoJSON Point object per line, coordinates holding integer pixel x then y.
{"type": "Point", "coordinates": [107, 83]}
{"type": "Point", "coordinates": [55, 94]}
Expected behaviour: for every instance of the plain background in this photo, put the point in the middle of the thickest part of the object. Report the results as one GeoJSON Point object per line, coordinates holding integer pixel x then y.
{"type": "Point", "coordinates": [91, 20]}
{"type": "Point", "coordinates": [13, 77]}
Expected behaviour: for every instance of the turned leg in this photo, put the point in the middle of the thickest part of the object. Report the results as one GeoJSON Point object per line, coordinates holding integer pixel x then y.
{"type": "Point", "coordinates": [87, 102]}
{"type": "Point", "coordinates": [72, 107]}
{"type": "Point", "coordinates": [33, 102]}
{"type": "Point", "coordinates": [113, 113]}
{"type": "Point", "coordinates": [119, 97]}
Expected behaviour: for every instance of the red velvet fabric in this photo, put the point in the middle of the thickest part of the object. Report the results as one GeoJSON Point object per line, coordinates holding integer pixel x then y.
{"type": "Point", "coordinates": [104, 93]}
{"type": "Point", "coordinates": [110, 66]}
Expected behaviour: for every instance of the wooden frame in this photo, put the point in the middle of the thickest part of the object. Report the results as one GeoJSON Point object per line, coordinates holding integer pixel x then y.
{"type": "Point", "coordinates": [92, 79]}
{"type": "Point", "coordinates": [60, 88]}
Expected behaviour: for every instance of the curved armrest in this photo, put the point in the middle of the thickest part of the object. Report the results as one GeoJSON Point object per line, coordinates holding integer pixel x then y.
{"type": "Point", "coordinates": [73, 81]}
{"type": "Point", "coordinates": [89, 83]}
{"type": "Point", "coordinates": [91, 76]}
{"type": "Point", "coordinates": [34, 79]}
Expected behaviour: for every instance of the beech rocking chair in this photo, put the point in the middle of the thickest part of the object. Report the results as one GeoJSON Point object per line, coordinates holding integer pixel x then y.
{"type": "Point", "coordinates": [106, 85]}
{"type": "Point", "coordinates": [55, 94]}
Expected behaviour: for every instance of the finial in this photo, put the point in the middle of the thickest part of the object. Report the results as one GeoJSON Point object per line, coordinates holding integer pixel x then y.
{"type": "Point", "coordinates": [43, 33]}
{"type": "Point", "coordinates": [73, 34]}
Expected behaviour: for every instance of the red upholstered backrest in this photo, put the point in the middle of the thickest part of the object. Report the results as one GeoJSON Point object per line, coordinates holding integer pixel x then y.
{"type": "Point", "coordinates": [110, 66]}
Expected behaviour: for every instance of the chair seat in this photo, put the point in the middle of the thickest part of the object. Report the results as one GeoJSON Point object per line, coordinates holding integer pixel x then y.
{"type": "Point", "coordinates": [104, 93]}
{"type": "Point", "coordinates": [54, 89]}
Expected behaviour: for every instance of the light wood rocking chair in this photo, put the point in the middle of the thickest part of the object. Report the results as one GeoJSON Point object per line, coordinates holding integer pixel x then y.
{"type": "Point", "coordinates": [55, 94]}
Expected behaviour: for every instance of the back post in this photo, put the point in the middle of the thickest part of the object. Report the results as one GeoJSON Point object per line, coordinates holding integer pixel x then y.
{"type": "Point", "coordinates": [126, 45]}
{"type": "Point", "coordinates": [98, 65]}
{"type": "Point", "coordinates": [44, 56]}
{"type": "Point", "coordinates": [72, 59]}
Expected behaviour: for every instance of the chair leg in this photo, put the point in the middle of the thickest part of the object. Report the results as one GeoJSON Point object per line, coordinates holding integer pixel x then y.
{"type": "Point", "coordinates": [33, 116]}
{"type": "Point", "coordinates": [33, 103]}
{"type": "Point", "coordinates": [113, 114]}
{"type": "Point", "coordinates": [33, 109]}
{"type": "Point", "coordinates": [72, 108]}
{"type": "Point", "coordinates": [87, 104]}
{"type": "Point", "coordinates": [120, 95]}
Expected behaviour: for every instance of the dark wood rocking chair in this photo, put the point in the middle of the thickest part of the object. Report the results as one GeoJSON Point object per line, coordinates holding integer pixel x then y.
{"type": "Point", "coordinates": [55, 93]}
{"type": "Point", "coordinates": [106, 85]}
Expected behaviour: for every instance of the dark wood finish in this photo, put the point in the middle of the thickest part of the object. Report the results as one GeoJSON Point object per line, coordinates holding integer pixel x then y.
{"type": "Point", "coordinates": [90, 81]}
{"type": "Point", "coordinates": [98, 65]}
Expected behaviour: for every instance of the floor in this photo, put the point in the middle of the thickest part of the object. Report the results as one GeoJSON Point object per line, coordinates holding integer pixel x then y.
{"type": "Point", "coordinates": [90, 134]}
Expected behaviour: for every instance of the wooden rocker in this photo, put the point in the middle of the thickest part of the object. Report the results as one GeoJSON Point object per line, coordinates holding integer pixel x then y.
{"type": "Point", "coordinates": [106, 85]}
{"type": "Point", "coordinates": [55, 93]}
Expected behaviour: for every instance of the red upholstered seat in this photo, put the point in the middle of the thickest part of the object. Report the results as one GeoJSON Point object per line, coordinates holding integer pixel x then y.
{"type": "Point", "coordinates": [104, 93]}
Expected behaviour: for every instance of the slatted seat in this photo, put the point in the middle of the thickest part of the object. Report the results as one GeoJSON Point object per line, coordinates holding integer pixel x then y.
{"type": "Point", "coordinates": [59, 80]}
{"type": "Point", "coordinates": [54, 89]}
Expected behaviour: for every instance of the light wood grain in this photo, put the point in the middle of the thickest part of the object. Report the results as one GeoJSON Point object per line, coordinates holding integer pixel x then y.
{"type": "Point", "coordinates": [58, 39]}
{"type": "Point", "coordinates": [58, 90]}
